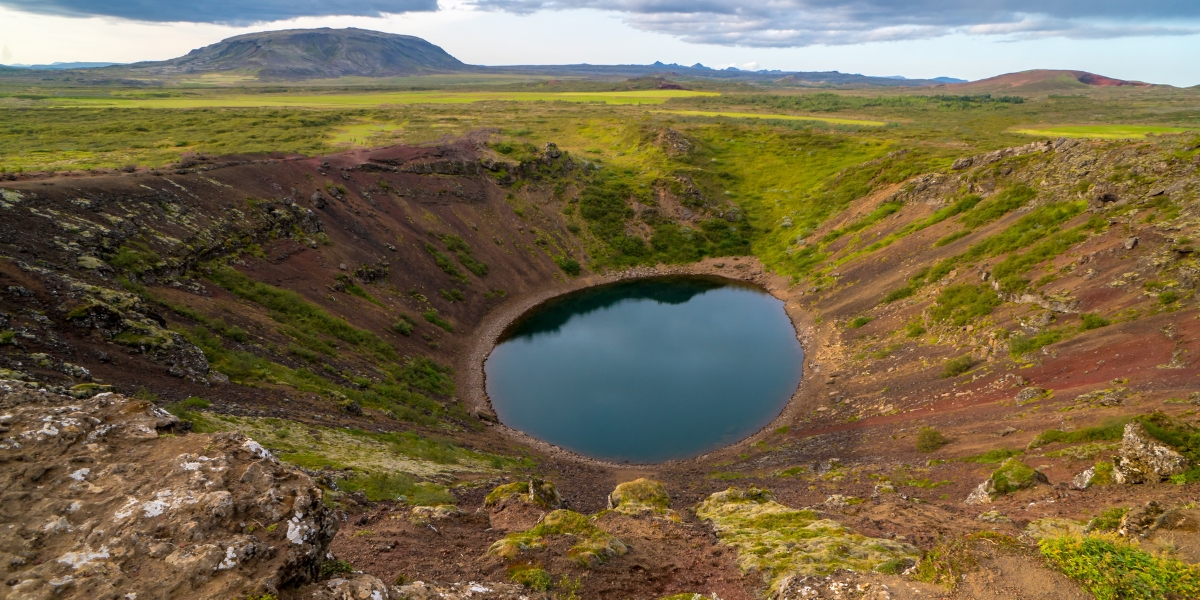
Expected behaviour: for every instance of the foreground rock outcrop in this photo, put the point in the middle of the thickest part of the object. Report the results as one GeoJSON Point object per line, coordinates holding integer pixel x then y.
{"type": "Point", "coordinates": [105, 498]}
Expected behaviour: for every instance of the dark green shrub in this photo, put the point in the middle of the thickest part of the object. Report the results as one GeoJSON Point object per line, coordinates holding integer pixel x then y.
{"type": "Point", "coordinates": [1168, 297]}
{"type": "Point", "coordinates": [569, 265]}
{"type": "Point", "coordinates": [899, 294]}
{"type": "Point", "coordinates": [930, 439]}
{"type": "Point", "coordinates": [404, 326]}
{"type": "Point", "coordinates": [859, 322]}
{"type": "Point", "coordinates": [957, 366]}
{"type": "Point", "coordinates": [1093, 321]}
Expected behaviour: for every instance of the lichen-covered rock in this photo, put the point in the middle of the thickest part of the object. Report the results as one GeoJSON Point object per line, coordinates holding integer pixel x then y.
{"type": "Point", "coordinates": [1084, 479]}
{"type": "Point", "coordinates": [429, 514]}
{"type": "Point", "coordinates": [783, 543]}
{"type": "Point", "coordinates": [1144, 459]}
{"type": "Point", "coordinates": [1029, 394]}
{"type": "Point", "coordinates": [420, 590]}
{"type": "Point", "coordinates": [639, 496]}
{"type": "Point", "coordinates": [1012, 475]}
{"type": "Point", "coordinates": [1051, 527]}
{"type": "Point", "coordinates": [99, 504]}
{"type": "Point", "coordinates": [354, 587]}
{"type": "Point", "coordinates": [995, 517]}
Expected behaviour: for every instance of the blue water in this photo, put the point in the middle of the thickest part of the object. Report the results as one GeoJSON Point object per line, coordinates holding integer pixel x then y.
{"type": "Point", "coordinates": [647, 370]}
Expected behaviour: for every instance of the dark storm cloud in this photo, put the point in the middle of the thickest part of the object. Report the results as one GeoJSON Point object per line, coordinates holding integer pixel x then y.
{"type": "Point", "coordinates": [807, 22]}
{"type": "Point", "coordinates": [237, 12]}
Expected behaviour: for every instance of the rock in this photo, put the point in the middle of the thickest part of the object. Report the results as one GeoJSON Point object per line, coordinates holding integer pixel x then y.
{"type": "Point", "coordinates": [1130, 243]}
{"type": "Point", "coordinates": [962, 163]}
{"type": "Point", "coordinates": [1144, 459]}
{"type": "Point", "coordinates": [552, 152]}
{"type": "Point", "coordinates": [122, 510]}
{"type": "Point", "coordinates": [1106, 397]}
{"type": "Point", "coordinates": [994, 516]}
{"type": "Point", "coordinates": [426, 514]}
{"type": "Point", "coordinates": [318, 200]}
{"type": "Point", "coordinates": [885, 487]}
{"type": "Point", "coordinates": [354, 587]}
{"type": "Point", "coordinates": [1029, 394]}
{"type": "Point", "coordinates": [1084, 480]}
{"type": "Point", "coordinates": [419, 590]}
{"type": "Point", "coordinates": [1007, 431]}
{"type": "Point", "coordinates": [1053, 527]}
{"type": "Point", "coordinates": [1140, 521]}
{"type": "Point", "coordinates": [521, 505]}
{"type": "Point", "coordinates": [1012, 475]}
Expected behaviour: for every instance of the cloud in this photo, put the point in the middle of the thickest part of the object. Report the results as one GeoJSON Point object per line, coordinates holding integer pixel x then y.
{"type": "Point", "coordinates": [791, 23]}
{"type": "Point", "coordinates": [231, 12]}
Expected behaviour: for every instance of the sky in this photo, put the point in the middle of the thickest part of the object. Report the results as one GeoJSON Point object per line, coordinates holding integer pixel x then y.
{"type": "Point", "coordinates": [1148, 40]}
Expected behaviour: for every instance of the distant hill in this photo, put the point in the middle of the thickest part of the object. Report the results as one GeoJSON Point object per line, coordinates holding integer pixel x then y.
{"type": "Point", "coordinates": [311, 54]}
{"type": "Point", "coordinates": [1044, 80]}
{"type": "Point", "coordinates": [64, 66]}
{"type": "Point", "coordinates": [699, 71]}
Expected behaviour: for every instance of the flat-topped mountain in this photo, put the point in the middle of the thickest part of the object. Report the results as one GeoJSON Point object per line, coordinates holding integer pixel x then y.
{"type": "Point", "coordinates": [312, 54]}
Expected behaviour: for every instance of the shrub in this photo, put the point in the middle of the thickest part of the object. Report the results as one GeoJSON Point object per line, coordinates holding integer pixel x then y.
{"type": "Point", "coordinates": [433, 317]}
{"type": "Point", "coordinates": [962, 304]}
{"type": "Point", "coordinates": [914, 328]}
{"type": "Point", "coordinates": [1109, 520]}
{"type": "Point", "coordinates": [1112, 568]}
{"type": "Point", "coordinates": [1025, 344]}
{"type": "Point", "coordinates": [930, 439]}
{"type": "Point", "coordinates": [957, 366]}
{"type": "Point", "coordinates": [1168, 297]}
{"type": "Point", "coordinates": [404, 326]}
{"type": "Point", "coordinates": [569, 265]}
{"type": "Point", "coordinates": [330, 568]}
{"type": "Point", "coordinates": [859, 322]}
{"type": "Point", "coordinates": [1093, 321]}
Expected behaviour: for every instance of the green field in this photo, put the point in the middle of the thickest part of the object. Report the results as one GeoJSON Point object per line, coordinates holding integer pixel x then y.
{"type": "Point", "coordinates": [773, 117]}
{"type": "Point", "coordinates": [361, 100]}
{"type": "Point", "coordinates": [1104, 132]}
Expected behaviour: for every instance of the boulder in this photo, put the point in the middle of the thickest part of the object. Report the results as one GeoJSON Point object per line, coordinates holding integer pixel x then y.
{"type": "Point", "coordinates": [1084, 479]}
{"type": "Point", "coordinates": [1140, 521]}
{"type": "Point", "coordinates": [640, 495]}
{"type": "Point", "coordinates": [107, 506]}
{"type": "Point", "coordinates": [353, 587]}
{"type": "Point", "coordinates": [1012, 475]}
{"type": "Point", "coordinates": [1144, 459]}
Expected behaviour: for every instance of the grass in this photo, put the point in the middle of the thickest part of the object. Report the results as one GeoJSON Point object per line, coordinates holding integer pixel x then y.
{"type": "Point", "coordinates": [957, 366]}
{"type": "Point", "coordinates": [994, 456]}
{"type": "Point", "coordinates": [433, 317]}
{"type": "Point", "coordinates": [1111, 568]}
{"type": "Point", "coordinates": [1103, 132]}
{"type": "Point", "coordinates": [964, 303]}
{"type": "Point", "coordinates": [380, 487]}
{"type": "Point", "coordinates": [774, 117]}
{"type": "Point", "coordinates": [1110, 430]}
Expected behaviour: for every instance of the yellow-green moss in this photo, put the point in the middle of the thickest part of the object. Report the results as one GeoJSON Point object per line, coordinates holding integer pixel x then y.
{"type": "Point", "coordinates": [535, 491]}
{"type": "Point", "coordinates": [1013, 475]}
{"type": "Point", "coordinates": [779, 541]}
{"type": "Point", "coordinates": [592, 545]}
{"type": "Point", "coordinates": [638, 496]}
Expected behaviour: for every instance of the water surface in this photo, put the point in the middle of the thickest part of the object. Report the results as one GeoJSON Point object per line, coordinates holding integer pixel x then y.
{"type": "Point", "coordinates": [647, 370]}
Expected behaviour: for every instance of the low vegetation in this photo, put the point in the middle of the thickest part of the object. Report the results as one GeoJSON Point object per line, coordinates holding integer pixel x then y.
{"type": "Point", "coordinates": [1113, 568]}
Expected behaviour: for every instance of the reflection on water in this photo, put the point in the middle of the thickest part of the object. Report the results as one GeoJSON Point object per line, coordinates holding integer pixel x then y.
{"type": "Point", "coordinates": [647, 370]}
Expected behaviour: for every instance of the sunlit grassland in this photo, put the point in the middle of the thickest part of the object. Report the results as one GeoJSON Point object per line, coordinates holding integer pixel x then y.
{"type": "Point", "coordinates": [361, 100]}
{"type": "Point", "coordinates": [773, 117]}
{"type": "Point", "coordinates": [1107, 132]}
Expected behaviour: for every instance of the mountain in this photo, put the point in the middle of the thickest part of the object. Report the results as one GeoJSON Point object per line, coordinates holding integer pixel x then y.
{"type": "Point", "coordinates": [311, 54]}
{"type": "Point", "coordinates": [1045, 80]}
{"type": "Point", "coordinates": [699, 71]}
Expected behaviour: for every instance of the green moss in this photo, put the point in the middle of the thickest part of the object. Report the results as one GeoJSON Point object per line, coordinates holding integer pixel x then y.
{"type": "Point", "coordinates": [640, 495]}
{"type": "Point", "coordinates": [859, 322]}
{"type": "Point", "coordinates": [779, 542]}
{"type": "Point", "coordinates": [1113, 568]}
{"type": "Point", "coordinates": [433, 317]}
{"type": "Point", "coordinates": [532, 577]}
{"type": "Point", "coordinates": [537, 492]}
{"type": "Point", "coordinates": [1013, 475]}
{"type": "Point", "coordinates": [591, 544]}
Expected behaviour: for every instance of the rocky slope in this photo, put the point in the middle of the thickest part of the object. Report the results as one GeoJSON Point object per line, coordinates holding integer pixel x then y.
{"type": "Point", "coordinates": [109, 497]}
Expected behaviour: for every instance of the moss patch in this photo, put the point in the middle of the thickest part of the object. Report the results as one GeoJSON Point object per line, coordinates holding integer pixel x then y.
{"type": "Point", "coordinates": [537, 492]}
{"type": "Point", "coordinates": [1013, 475]}
{"type": "Point", "coordinates": [638, 496]}
{"type": "Point", "coordinates": [779, 541]}
{"type": "Point", "coordinates": [592, 545]}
